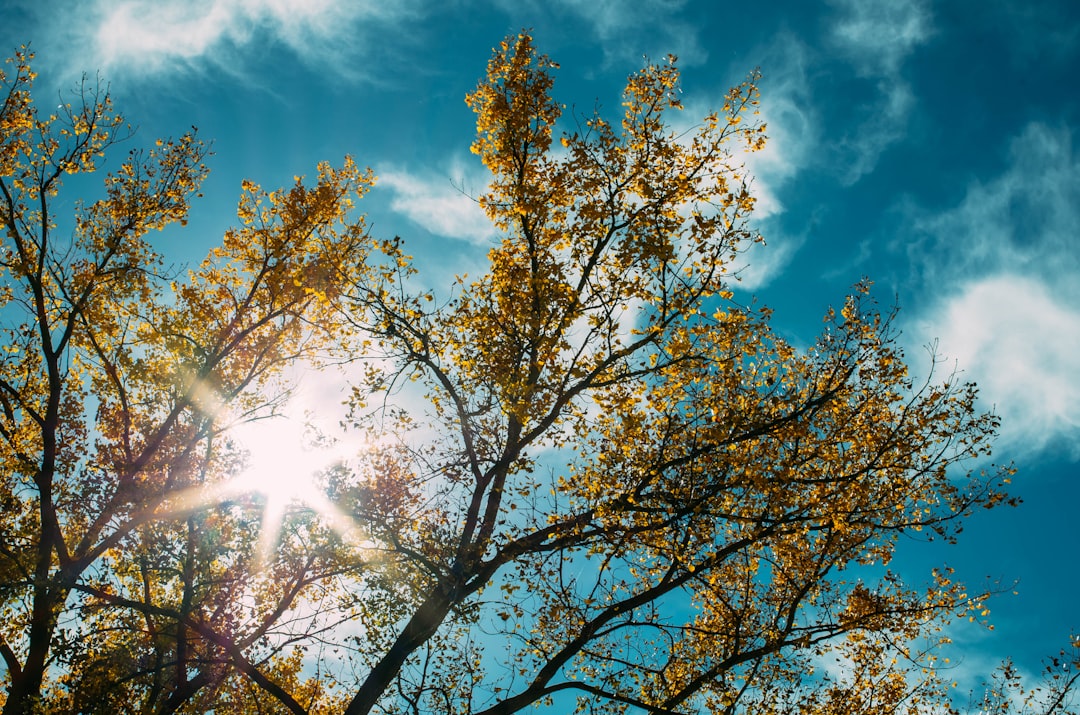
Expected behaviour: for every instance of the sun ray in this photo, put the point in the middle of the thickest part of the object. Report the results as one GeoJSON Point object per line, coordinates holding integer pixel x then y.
{"type": "Point", "coordinates": [283, 466]}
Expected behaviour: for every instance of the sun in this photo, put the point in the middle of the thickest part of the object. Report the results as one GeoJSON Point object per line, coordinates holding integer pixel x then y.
{"type": "Point", "coordinates": [282, 464]}
{"type": "Point", "coordinates": [283, 467]}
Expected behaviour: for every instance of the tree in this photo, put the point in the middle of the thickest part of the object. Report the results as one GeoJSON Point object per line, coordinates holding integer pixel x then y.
{"type": "Point", "coordinates": [1006, 692]}
{"type": "Point", "coordinates": [624, 493]}
{"type": "Point", "coordinates": [127, 582]}
{"type": "Point", "coordinates": [627, 491]}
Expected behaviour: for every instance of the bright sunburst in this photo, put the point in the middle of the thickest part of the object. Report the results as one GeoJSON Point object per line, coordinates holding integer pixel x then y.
{"type": "Point", "coordinates": [283, 466]}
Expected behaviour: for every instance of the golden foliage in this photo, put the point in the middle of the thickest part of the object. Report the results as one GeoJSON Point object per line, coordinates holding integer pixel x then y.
{"type": "Point", "coordinates": [625, 492]}
{"type": "Point", "coordinates": [119, 568]}
{"type": "Point", "coordinates": [643, 496]}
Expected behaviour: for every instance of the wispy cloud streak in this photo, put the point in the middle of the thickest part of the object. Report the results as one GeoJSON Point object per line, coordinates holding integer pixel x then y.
{"type": "Point", "coordinates": [153, 38]}
{"type": "Point", "coordinates": [444, 203]}
{"type": "Point", "coordinates": [877, 38]}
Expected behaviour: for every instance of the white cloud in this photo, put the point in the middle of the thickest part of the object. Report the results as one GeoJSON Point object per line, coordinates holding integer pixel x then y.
{"type": "Point", "coordinates": [760, 264]}
{"type": "Point", "coordinates": [1022, 345]}
{"type": "Point", "coordinates": [151, 37]}
{"type": "Point", "coordinates": [792, 130]}
{"type": "Point", "coordinates": [885, 125]}
{"type": "Point", "coordinates": [152, 34]}
{"type": "Point", "coordinates": [877, 38]}
{"type": "Point", "coordinates": [1004, 277]}
{"type": "Point", "coordinates": [627, 29]}
{"type": "Point", "coordinates": [443, 203]}
{"type": "Point", "coordinates": [1025, 220]}
{"type": "Point", "coordinates": [793, 137]}
{"type": "Point", "coordinates": [792, 125]}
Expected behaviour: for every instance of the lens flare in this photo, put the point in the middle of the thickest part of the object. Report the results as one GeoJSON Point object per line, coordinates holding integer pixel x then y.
{"type": "Point", "coordinates": [283, 467]}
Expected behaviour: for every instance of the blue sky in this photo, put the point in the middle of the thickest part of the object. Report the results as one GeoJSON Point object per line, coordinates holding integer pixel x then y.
{"type": "Point", "coordinates": [927, 144]}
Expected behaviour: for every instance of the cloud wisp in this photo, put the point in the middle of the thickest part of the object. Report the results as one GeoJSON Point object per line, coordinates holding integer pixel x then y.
{"type": "Point", "coordinates": [1000, 269]}
{"type": "Point", "coordinates": [877, 38]}
{"type": "Point", "coordinates": [792, 130]}
{"type": "Point", "coordinates": [155, 38]}
{"type": "Point", "coordinates": [442, 202]}
{"type": "Point", "coordinates": [626, 29]}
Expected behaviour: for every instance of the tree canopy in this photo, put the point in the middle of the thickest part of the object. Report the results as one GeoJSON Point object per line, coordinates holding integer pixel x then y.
{"type": "Point", "coordinates": [623, 492]}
